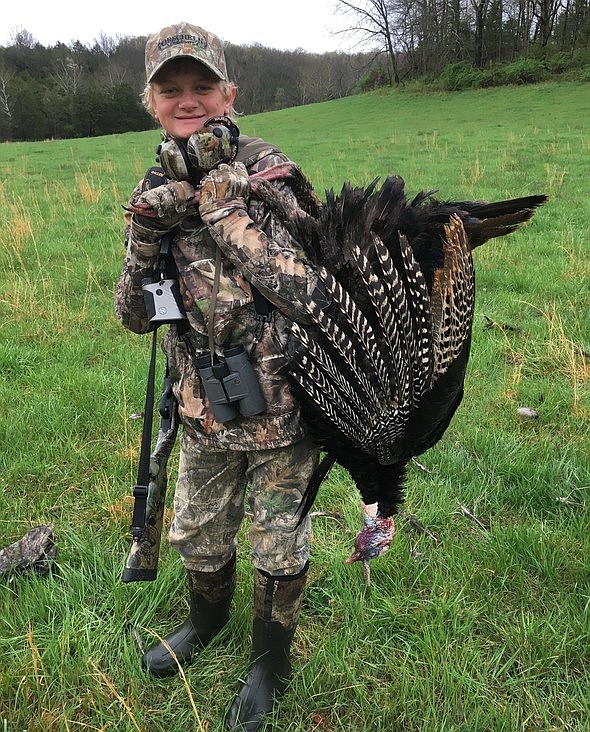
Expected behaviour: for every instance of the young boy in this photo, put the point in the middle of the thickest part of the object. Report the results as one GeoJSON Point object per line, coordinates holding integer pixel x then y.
{"type": "Point", "coordinates": [228, 251]}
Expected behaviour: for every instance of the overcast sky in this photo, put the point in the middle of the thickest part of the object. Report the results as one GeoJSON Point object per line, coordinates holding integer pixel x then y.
{"type": "Point", "coordinates": [306, 24]}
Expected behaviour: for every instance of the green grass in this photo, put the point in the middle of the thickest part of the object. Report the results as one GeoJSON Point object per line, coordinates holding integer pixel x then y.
{"type": "Point", "coordinates": [465, 628]}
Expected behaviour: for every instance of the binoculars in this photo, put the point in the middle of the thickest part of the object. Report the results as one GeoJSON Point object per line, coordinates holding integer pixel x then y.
{"type": "Point", "coordinates": [230, 384]}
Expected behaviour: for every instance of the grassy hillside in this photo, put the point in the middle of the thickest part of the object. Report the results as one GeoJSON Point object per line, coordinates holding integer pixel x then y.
{"type": "Point", "coordinates": [481, 623]}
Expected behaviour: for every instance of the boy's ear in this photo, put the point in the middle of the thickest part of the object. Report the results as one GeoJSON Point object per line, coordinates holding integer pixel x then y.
{"type": "Point", "coordinates": [231, 99]}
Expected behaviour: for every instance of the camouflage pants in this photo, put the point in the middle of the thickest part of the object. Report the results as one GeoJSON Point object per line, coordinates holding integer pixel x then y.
{"type": "Point", "coordinates": [209, 505]}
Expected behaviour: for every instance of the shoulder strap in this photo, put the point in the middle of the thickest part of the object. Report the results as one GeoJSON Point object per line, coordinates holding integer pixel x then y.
{"type": "Point", "coordinates": [141, 488]}
{"type": "Point", "coordinates": [252, 149]}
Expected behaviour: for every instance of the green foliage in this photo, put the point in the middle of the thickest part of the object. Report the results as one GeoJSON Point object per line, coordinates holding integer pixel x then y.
{"type": "Point", "coordinates": [376, 78]}
{"type": "Point", "coordinates": [525, 71]}
{"type": "Point", "coordinates": [459, 76]}
{"type": "Point", "coordinates": [462, 75]}
{"type": "Point", "coordinates": [471, 627]}
{"type": "Point", "coordinates": [572, 64]}
{"type": "Point", "coordinates": [561, 62]}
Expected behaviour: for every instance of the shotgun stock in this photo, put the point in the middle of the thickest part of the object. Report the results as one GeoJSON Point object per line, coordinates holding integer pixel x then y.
{"type": "Point", "coordinates": [148, 513]}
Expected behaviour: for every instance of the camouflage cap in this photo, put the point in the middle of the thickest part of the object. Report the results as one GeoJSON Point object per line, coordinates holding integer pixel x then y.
{"type": "Point", "coordinates": [184, 40]}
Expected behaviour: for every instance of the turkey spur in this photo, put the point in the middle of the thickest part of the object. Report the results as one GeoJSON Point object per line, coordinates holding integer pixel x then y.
{"type": "Point", "coordinates": [380, 372]}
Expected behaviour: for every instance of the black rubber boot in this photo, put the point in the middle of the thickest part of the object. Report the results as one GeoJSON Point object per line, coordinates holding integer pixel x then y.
{"type": "Point", "coordinates": [210, 599]}
{"type": "Point", "coordinates": [277, 602]}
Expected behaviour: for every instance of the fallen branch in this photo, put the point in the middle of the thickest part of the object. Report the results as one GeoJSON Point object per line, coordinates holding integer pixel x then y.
{"type": "Point", "coordinates": [474, 518]}
{"type": "Point", "coordinates": [420, 528]}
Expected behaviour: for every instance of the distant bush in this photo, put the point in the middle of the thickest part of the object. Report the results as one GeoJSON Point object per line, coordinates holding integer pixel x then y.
{"type": "Point", "coordinates": [523, 71]}
{"type": "Point", "coordinates": [460, 75]}
{"type": "Point", "coordinates": [376, 78]}
{"type": "Point", "coordinates": [561, 62]}
{"type": "Point", "coordinates": [580, 57]}
{"type": "Point", "coordinates": [566, 62]}
{"type": "Point", "coordinates": [492, 76]}
{"type": "Point", "coordinates": [568, 65]}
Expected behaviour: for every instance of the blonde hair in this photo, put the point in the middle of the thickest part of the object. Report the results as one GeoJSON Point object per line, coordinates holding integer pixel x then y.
{"type": "Point", "coordinates": [147, 95]}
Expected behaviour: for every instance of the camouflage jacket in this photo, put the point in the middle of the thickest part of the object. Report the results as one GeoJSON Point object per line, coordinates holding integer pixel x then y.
{"type": "Point", "coordinates": [264, 255]}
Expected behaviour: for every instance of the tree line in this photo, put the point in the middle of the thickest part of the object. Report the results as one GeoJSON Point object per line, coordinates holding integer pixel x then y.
{"type": "Point", "coordinates": [77, 90]}
{"type": "Point", "coordinates": [420, 38]}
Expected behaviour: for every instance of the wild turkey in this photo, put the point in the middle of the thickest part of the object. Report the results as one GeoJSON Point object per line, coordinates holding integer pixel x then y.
{"type": "Point", "coordinates": [380, 374]}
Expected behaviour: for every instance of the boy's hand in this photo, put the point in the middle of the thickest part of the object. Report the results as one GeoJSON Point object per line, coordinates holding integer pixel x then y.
{"type": "Point", "coordinates": [165, 204]}
{"type": "Point", "coordinates": [224, 189]}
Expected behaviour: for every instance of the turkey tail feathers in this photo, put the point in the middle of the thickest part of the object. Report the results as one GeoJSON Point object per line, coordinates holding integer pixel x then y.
{"type": "Point", "coordinates": [485, 210]}
{"type": "Point", "coordinates": [490, 220]}
{"type": "Point", "coordinates": [421, 324]}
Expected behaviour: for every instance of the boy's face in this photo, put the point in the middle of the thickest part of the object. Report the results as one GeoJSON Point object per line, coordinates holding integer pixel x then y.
{"type": "Point", "coordinates": [186, 95]}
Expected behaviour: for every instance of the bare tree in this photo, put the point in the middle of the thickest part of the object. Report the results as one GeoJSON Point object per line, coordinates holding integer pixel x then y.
{"type": "Point", "coordinates": [67, 74]}
{"type": "Point", "coordinates": [480, 8]}
{"type": "Point", "coordinates": [545, 12]}
{"type": "Point", "coordinates": [373, 23]}
{"type": "Point", "coordinates": [5, 78]}
{"type": "Point", "coordinates": [115, 73]}
{"type": "Point", "coordinates": [23, 39]}
{"type": "Point", "coordinates": [574, 24]}
{"type": "Point", "coordinates": [107, 44]}
{"type": "Point", "coordinates": [430, 34]}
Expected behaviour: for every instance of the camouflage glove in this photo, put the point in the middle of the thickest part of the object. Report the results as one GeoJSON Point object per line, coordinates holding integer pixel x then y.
{"type": "Point", "coordinates": [161, 209]}
{"type": "Point", "coordinates": [165, 204]}
{"type": "Point", "coordinates": [158, 210]}
{"type": "Point", "coordinates": [224, 190]}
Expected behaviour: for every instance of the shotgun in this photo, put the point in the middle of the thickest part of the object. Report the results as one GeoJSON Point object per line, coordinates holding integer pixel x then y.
{"type": "Point", "coordinates": [148, 510]}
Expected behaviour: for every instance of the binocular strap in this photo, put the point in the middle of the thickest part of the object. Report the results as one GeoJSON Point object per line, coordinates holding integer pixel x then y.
{"type": "Point", "coordinates": [214, 293]}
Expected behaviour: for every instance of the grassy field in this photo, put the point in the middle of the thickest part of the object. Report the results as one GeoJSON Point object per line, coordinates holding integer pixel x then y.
{"type": "Point", "coordinates": [482, 623]}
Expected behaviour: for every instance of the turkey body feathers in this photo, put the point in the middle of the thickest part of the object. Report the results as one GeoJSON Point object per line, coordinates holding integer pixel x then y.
{"type": "Point", "coordinates": [380, 372]}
